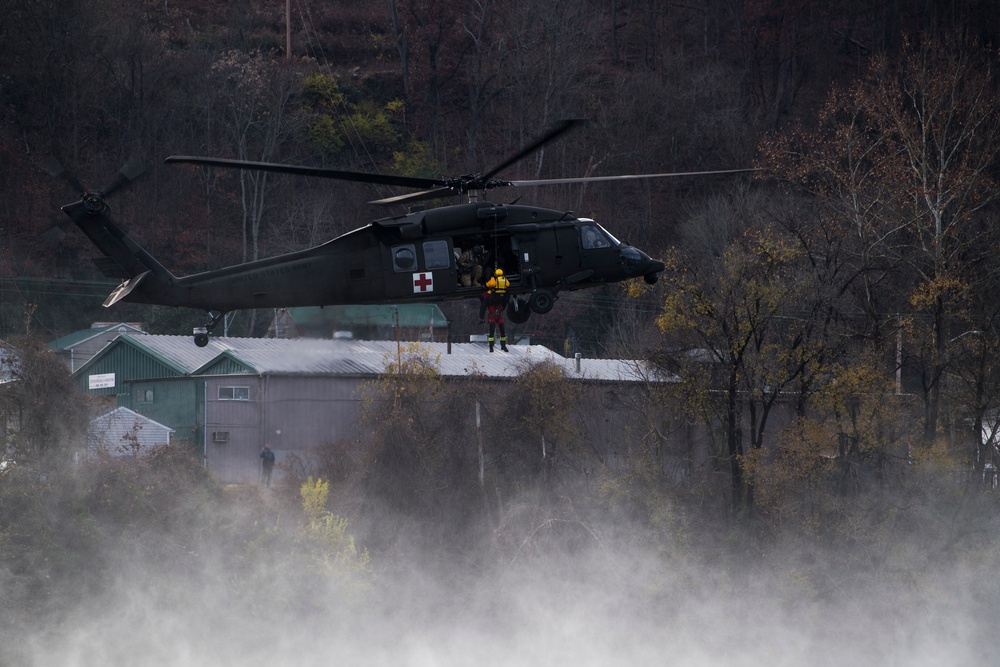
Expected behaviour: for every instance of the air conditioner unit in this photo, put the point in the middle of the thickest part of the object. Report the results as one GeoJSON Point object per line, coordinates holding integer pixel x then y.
{"type": "Point", "coordinates": [220, 436]}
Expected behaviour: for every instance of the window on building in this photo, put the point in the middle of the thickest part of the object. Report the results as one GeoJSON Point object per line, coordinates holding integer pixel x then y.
{"type": "Point", "coordinates": [234, 393]}
{"type": "Point", "coordinates": [143, 395]}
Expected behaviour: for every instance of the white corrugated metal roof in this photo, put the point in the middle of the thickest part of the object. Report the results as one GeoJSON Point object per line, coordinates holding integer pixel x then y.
{"type": "Point", "coordinates": [121, 428]}
{"type": "Point", "coordinates": [179, 349]}
{"type": "Point", "coordinates": [360, 357]}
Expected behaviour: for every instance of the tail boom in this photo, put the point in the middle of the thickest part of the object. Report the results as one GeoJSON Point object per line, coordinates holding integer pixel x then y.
{"type": "Point", "coordinates": [146, 280]}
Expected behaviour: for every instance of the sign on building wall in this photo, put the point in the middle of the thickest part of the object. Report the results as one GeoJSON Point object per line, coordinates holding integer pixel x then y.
{"type": "Point", "coordinates": [101, 381]}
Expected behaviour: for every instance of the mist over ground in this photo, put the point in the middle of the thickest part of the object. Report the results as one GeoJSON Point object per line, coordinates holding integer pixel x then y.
{"type": "Point", "coordinates": [155, 565]}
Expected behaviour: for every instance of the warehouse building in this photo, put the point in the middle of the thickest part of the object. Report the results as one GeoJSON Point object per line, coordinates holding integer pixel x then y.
{"type": "Point", "coordinates": [234, 395]}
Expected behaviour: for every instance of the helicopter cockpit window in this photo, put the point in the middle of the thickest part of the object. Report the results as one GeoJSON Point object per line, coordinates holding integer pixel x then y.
{"type": "Point", "coordinates": [404, 258]}
{"type": "Point", "coordinates": [593, 237]}
{"type": "Point", "coordinates": [436, 255]}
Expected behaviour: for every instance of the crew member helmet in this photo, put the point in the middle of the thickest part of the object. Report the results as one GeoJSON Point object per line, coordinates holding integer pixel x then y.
{"type": "Point", "coordinates": [498, 272]}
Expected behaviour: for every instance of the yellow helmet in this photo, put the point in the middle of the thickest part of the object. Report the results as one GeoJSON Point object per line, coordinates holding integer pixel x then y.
{"type": "Point", "coordinates": [498, 272]}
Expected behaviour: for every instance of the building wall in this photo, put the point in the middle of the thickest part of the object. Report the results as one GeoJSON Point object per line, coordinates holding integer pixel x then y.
{"type": "Point", "coordinates": [234, 427]}
{"type": "Point", "coordinates": [126, 363]}
{"type": "Point", "coordinates": [293, 414]}
{"type": "Point", "coordinates": [310, 411]}
{"type": "Point", "coordinates": [174, 402]}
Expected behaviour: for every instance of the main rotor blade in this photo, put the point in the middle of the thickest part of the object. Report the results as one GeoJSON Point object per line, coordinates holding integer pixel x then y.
{"type": "Point", "coordinates": [134, 168]}
{"type": "Point", "coordinates": [318, 172]}
{"type": "Point", "coordinates": [627, 177]}
{"type": "Point", "coordinates": [562, 126]}
{"type": "Point", "coordinates": [128, 173]}
{"type": "Point", "coordinates": [435, 193]}
{"type": "Point", "coordinates": [54, 168]}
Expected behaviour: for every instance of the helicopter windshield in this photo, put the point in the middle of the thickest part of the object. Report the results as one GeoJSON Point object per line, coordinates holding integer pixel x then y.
{"type": "Point", "coordinates": [600, 234]}
{"type": "Point", "coordinates": [594, 236]}
{"type": "Point", "coordinates": [611, 236]}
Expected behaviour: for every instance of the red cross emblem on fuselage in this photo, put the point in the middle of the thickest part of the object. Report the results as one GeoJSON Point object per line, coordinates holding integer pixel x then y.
{"type": "Point", "coordinates": [423, 282]}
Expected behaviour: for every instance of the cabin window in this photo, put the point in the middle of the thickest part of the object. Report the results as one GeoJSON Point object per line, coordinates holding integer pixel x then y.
{"type": "Point", "coordinates": [436, 255]}
{"type": "Point", "coordinates": [234, 393]}
{"type": "Point", "coordinates": [404, 258]}
{"type": "Point", "coordinates": [593, 237]}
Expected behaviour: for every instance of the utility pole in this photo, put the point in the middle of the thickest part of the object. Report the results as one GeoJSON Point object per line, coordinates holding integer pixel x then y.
{"type": "Point", "coordinates": [399, 352]}
{"type": "Point", "coordinates": [29, 313]}
{"type": "Point", "coordinates": [288, 29]}
{"type": "Point", "coordinates": [899, 354]}
{"type": "Point", "coordinates": [479, 435]}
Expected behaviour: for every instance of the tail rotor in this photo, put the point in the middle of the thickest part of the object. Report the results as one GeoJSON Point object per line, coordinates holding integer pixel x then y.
{"type": "Point", "coordinates": [94, 200]}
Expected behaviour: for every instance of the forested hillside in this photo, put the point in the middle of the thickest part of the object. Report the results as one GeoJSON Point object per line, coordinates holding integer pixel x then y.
{"type": "Point", "coordinates": [831, 321]}
{"type": "Point", "coordinates": [434, 88]}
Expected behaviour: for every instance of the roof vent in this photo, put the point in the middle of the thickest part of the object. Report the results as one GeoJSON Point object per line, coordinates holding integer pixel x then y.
{"type": "Point", "coordinates": [343, 335]}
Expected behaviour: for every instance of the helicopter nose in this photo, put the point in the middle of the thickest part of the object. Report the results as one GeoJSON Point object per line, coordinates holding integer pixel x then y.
{"type": "Point", "coordinates": [638, 263]}
{"type": "Point", "coordinates": [656, 267]}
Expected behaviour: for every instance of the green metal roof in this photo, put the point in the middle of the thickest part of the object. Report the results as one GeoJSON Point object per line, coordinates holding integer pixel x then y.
{"type": "Point", "coordinates": [226, 363]}
{"type": "Point", "coordinates": [125, 350]}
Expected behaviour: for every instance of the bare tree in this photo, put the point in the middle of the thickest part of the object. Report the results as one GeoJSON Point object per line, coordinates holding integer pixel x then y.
{"type": "Point", "coordinates": [550, 47]}
{"type": "Point", "coordinates": [907, 158]}
{"type": "Point", "coordinates": [257, 91]}
{"type": "Point", "coordinates": [938, 107]}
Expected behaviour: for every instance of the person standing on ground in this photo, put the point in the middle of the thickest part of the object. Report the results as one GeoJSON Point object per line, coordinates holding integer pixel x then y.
{"type": "Point", "coordinates": [266, 465]}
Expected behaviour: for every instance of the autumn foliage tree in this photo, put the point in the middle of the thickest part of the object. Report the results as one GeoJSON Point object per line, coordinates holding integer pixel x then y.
{"type": "Point", "coordinates": [727, 323]}
{"type": "Point", "coordinates": [905, 160]}
{"type": "Point", "coordinates": [939, 108]}
{"type": "Point", "coordinates": [43, 415]}
{"type": "Point", "coordinates": [418, 454]}
{"type": "Point", "coordinates": [536, 419]}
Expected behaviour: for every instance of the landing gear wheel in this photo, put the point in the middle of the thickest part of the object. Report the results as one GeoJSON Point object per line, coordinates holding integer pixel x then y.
{"type": "Point", "coordinates": [201, 333]}
{"type": "Point", "coordinates": [651, 278]}
{"type": "Point", "coordinates": [541, 301]}
{"type": "Point", "coordinates": [518, 311]}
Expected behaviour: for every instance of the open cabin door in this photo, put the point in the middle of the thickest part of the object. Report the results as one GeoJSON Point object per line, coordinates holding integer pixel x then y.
{"type": "Point", "coordinates": [479, 255]}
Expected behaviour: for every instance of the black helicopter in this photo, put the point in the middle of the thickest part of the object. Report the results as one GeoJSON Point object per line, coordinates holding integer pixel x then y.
{"type": "Point", "coordinates": [412, 257]}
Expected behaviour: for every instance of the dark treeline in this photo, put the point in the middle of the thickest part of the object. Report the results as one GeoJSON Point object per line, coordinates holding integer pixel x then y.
{"type": "Point", "coordinates": [402, 87]}
{"type": "Point", "coordinates": [831, 320]}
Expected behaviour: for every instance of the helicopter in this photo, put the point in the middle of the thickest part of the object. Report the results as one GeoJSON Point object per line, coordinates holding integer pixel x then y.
{"type": "Point", "coordinates": [405, 258]}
